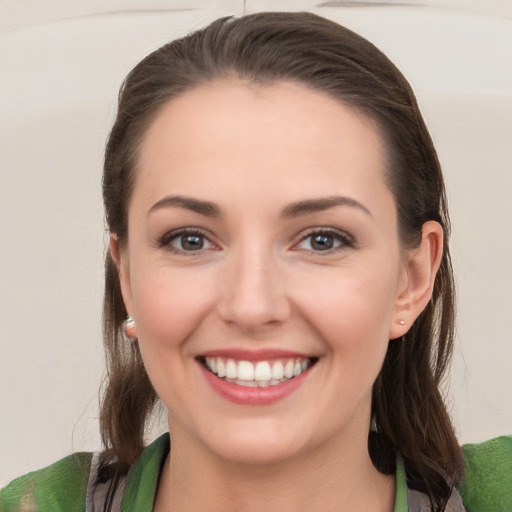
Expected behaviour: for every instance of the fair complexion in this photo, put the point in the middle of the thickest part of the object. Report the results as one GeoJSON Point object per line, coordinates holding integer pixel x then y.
{"type": "Point", "coordinates": [262, 229]}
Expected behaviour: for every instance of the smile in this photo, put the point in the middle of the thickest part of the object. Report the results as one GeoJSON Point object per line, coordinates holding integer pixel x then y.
{"type": "Point", "coordinates": [257, 374]}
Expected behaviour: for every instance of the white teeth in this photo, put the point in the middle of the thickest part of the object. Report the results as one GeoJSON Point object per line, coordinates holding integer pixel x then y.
{"type": "Point", "coordinates": [262, 371]}
{"type": "Point", "coordinates": [245, 370]}
{"type": "Point", "coordinates": [231, 369]}
{"type": "Point", "coordinates": [260, 374]}
{"type": "Point", "coordinates": [277, 370]}
{"type": "Point", "coordinates": [288, 369]}
{"type": "Point", "coordinates": [221, 371]}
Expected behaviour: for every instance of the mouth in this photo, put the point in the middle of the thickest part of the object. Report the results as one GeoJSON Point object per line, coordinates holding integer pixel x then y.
{"type": "Point", "coordinates": [257, 374]}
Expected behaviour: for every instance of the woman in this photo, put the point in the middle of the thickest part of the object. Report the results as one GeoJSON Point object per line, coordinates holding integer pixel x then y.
{"type": "Point", "coordinates": [279, 277]}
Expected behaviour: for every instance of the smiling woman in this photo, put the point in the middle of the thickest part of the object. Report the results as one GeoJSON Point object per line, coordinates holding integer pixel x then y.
{"type": "Point", "coordinates": [279, 277]}
{"type": "Point", "coordinates": [270, 280]}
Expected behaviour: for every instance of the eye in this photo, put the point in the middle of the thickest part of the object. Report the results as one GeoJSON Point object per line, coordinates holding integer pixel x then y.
{"type": "Point", "coordinates": [325, 240]}
{"type": "Point", "coordinates": [186, 240]}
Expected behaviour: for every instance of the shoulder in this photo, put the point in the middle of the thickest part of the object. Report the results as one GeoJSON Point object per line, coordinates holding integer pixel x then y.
{"type": "Point", "coordinates": [56, 488]}
{"type": "Point", "coordinates": [487, 482]}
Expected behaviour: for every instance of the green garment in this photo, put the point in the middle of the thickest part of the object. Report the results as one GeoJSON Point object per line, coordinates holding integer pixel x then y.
{"type": "Point", "coordinates": [62, 487]}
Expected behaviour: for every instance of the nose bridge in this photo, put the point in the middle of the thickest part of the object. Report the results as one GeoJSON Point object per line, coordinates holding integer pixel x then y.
{"type": "Point", "coordinates": [254, 294]}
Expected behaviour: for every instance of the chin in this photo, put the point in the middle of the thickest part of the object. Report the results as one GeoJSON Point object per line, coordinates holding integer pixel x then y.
{"type": "Point", "coordinates": [256, 454]}
{"type": "Point", "coordinates": [257, 446]}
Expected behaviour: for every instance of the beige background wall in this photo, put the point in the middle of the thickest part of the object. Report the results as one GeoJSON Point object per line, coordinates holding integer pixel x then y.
{"type": "Point", "coordinates": [61, 63]}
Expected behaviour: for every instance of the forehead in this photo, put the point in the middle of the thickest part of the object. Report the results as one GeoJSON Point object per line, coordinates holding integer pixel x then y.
{"type": "Point", "coordinates": [237, 135]}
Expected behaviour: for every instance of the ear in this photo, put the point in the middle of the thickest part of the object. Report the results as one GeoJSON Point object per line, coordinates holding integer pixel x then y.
{"type": "Point", "coordinates": [119, 256]}
{"type": "Point", "coordinates": [420, 269]}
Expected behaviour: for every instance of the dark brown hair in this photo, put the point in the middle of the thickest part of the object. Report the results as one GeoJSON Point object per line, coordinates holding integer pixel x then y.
{"type": "Point", "coordinates": [409, 414]}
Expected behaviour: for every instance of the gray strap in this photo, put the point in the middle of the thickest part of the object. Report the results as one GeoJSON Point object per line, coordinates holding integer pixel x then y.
{"type": "Point", "coordinates": [96, 495]}
{"type": "Point", "coordinates": [419, 502]}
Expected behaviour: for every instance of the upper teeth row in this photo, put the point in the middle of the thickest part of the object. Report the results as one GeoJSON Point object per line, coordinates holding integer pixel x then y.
{"type": "Point", "coordinates": [259, 371]}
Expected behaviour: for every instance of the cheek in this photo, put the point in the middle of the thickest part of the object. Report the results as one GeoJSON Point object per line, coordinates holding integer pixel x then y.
{"type": "Point", "coordinates": [352, 312]}
{"type": "Point", "coordinates": [169, 304]}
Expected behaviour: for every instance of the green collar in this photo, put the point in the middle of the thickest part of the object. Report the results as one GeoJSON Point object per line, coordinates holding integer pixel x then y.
{"type": "Point", "coordinates": [401, 490]}
{"type": "Point", "coordinates": [143, 476]}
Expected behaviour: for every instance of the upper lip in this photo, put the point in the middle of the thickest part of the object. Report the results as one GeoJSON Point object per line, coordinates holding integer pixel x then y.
{"type": "Point", "coordinates": [243, 354]}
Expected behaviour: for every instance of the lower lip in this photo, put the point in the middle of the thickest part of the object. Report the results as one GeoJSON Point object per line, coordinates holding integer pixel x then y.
{"type": "Point", "coordinates": [243, 395]}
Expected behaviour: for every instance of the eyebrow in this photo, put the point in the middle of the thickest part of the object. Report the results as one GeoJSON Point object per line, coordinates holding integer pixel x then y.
{"type": "Point", "coordinates": [321, 204]}
{"type": "Point", "coordinates": [206, 208]}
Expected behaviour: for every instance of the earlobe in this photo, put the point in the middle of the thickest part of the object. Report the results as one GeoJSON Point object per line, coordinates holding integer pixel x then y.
{"type": "Point", "coordinates": [120, 258]}
{"type": "Point", "coordinates": [420, 268]}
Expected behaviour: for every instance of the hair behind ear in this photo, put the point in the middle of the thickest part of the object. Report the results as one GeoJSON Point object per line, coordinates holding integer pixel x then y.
{"type": "Point", "coordinates": [408, 409]}
{"type": "Point", "coordinates": [128, 395]}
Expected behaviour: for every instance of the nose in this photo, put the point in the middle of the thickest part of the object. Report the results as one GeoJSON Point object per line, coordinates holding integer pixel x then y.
{"type": "Point", "coordinates": [254, 297]}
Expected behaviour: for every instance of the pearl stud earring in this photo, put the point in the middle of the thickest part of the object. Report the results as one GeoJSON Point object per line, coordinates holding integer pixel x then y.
{"type": "Point", "coordinates": [130, 328]}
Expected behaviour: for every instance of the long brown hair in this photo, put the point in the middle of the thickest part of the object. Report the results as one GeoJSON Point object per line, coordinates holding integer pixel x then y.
{"type": "Point", "coordinates": [409, 415]}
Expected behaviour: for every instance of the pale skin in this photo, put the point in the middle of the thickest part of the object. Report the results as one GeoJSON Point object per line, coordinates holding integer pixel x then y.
{"type": "Point", "coordinates": [262, 170]}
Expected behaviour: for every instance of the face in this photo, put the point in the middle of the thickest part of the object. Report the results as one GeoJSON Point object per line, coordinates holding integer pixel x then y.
{"type": "Point", "coordinates": [263, 268]}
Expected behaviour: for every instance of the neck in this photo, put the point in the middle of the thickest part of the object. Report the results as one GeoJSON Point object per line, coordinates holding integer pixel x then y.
{"type": "Point", "coordinates": [314, 480]}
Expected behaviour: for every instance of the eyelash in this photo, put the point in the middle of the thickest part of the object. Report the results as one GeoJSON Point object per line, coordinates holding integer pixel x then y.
{"type": "Point", "coordinates": [344, 240]}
